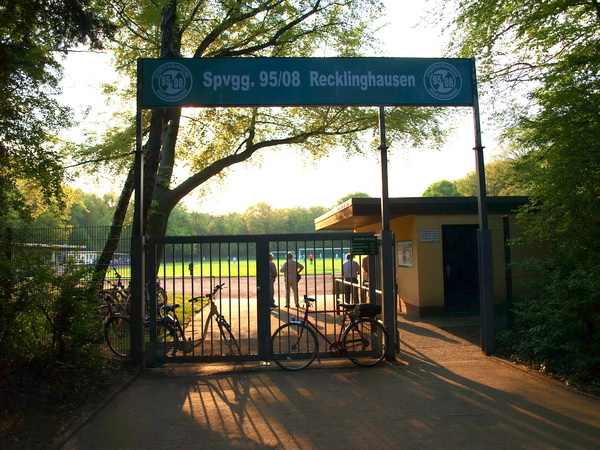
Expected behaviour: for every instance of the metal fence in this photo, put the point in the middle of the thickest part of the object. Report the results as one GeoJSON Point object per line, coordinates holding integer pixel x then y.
{"type": "Point", "coordinates": [191, 267]}
{"type": "Point", "coordinates": [63, 250]}
{"type": "Point", "coordinates": [62, 246]}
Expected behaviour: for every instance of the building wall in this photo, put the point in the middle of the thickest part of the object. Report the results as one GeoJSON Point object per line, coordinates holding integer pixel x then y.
{"type": "Point", "coordinates": [420, 288]}
{"type": "Point", "coordinates": [409, 280]}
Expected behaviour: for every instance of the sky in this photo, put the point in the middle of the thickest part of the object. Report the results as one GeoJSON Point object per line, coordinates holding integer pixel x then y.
{"type": "Point", "coordinates": [284, 178]}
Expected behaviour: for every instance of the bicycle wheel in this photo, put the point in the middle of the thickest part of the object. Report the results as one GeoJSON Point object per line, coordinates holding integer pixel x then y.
{"type": "Point", "coordinates": [167, 340]}
{"type": "Point", "coordinates": [230, 339]}
{"type": "Point", "coordinates": [111, 298]}
{"type": "Point", "coordinates": [122, 298]}
{"type": "Point", "coordinates": [365, 342]}
{"type": "Point", "coordinates": [161, 294]}
{"type": "Point", "coordinates": [294, 346]}
{"type": "Point", "coordinates": [117, 332]}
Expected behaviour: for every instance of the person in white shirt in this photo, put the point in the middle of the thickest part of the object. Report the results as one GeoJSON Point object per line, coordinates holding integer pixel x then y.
{"type": "Point", "coordinates": [291, 272]}
{"type": "Point", "coordinates": [350, 271]}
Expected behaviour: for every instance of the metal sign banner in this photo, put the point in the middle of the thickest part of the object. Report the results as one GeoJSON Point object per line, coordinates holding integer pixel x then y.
{"type": "Point", "coordinates": [230, 82]}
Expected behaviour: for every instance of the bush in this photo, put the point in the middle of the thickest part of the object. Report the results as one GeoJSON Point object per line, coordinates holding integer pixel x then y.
{"type": "Point", "coordinates": [557, 326]}
{"type": "Point", "coordinates": [45, 315]}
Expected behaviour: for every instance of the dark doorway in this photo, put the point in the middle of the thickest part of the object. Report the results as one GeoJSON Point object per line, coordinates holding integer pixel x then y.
{"type": "Point", "coordinates": [461, 275]}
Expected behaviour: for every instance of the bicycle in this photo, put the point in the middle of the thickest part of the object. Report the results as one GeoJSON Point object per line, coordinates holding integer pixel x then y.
{"type": "Point", "coordinates": [122, 293]}
{"type": "Point", "coordinates": [224, 327]}
{"type": "Point", "coordinates": [364, 340]}
{"type": "Point", "coordinates": [117, 294]}
{"type": "Point", "coordinates": [170, 335]}
{"type": "Point", "coordinates": [169, 332]}
{"type": "Point", "coordinates": [117, 323]}
{"type": "Point", "coordinates": [117, 327]}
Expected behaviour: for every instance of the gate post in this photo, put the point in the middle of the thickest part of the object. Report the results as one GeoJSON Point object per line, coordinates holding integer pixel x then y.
{"type": "Point", "coordinates": [150, 351]}
{"type": "Point", "coordinates": [137, 283]}
{"type": "Point", "coordinates": [263, 307]}
{"type": "Point", "coordinates": [138, 240]}
{"type": "Point", "coordinates": [388, 285]}
{"type": "Point", "coordinates": [484, 235]}
{"type": "Point", "coordinates": [388, 272]}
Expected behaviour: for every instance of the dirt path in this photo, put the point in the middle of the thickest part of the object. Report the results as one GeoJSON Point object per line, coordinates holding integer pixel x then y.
{"type": "Point", "coordinates": [245, 287]}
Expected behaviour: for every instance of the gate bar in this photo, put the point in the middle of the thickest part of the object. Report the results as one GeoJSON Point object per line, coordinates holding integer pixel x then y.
{"type": "Point", "coordinates": [263, 306]}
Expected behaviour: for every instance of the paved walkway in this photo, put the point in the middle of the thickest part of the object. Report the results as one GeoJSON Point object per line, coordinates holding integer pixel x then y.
{"type": "Point", "coordinates": [443, 393]}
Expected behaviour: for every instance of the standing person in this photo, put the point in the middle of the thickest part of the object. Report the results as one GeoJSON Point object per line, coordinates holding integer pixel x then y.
{"type": "Point", "coordinates": [365, 269]}
{"type": "Point", "coordinates": [350, 271]}
{"type": "Point", "coordinates": [365, 277]}
{"type": "Point", "coordinates": [273, 276]}
{"type": "Point", "coordinates": [291, 273]}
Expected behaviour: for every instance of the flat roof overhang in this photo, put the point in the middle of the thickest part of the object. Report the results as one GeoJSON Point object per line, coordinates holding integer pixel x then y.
{"type": "Point", "coordinates": [360, 212]}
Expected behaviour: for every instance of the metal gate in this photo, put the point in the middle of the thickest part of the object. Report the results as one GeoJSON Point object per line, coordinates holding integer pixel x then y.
{"type": "Point", "coordinates": [237, 322]}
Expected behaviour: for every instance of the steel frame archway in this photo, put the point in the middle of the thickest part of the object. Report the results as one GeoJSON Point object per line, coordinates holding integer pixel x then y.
{"type": "Point", "coordinates": [443, 84]}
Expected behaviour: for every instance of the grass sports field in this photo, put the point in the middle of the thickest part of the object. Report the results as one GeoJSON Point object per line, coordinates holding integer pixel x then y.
{"type": "Point", "coordinates": [238, 267]}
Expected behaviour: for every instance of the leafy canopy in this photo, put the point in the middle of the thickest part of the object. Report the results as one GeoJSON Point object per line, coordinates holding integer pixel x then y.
{"type": "Point", "coordinates": [550, 51]}
{"type": "Point", "coordinates": [32, 35]}
{"type": "Point", "coordinates": [187, 148]}
{"type": "Point", "coordinates": [443, 188]}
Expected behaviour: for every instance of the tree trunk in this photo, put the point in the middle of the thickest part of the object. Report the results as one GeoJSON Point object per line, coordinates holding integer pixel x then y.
{"type": "Point", "coordinates": [116, 229]}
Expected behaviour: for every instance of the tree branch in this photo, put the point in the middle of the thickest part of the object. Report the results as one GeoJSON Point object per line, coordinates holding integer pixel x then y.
{"type": "Point", "coordinates": [216, 167]}
{"type": "Point", "coordinates": [129, 23]}
{"type": "Point", "coordinates": [228, 22]}
{"type": "Point", "coordinates": [167, 154]}
{"type": "Point", "coordinates": [272, 42]}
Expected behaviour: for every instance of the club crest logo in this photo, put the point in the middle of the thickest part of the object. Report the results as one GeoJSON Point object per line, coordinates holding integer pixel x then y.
{"type": "Point", "coordinates": [442, 81]}
{"type": "Point", "coordinates": [172, 82]}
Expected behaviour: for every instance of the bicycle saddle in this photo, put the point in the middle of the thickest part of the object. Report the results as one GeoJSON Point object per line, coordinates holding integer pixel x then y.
{"type": "Point", "coordinates": [347, 305]}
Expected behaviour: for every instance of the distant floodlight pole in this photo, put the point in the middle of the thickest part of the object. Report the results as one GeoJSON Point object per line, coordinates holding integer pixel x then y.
{"type": "Point", "coordinates": [388, 273]}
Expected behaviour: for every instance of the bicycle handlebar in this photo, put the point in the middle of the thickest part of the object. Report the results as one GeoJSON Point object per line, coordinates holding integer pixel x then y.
{"type": "Point", "coordinates": [309, 301]}
{"type": "Point", "coordinates": [119, 283]}
{"type": "Point", "coordinates": [217, 288]}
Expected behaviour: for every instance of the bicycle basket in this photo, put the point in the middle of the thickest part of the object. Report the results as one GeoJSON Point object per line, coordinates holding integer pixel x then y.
{"type": "Point", "coordinates": [367, 309]}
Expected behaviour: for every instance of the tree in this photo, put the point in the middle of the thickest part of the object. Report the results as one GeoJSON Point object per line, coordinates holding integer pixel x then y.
{"type": "Point", "coordinates": [467, 185]}
{"type": "Point", "coordinates": [443, 188]}
{"type": "Point", "coordinates": [37, 212]}
{"type": "Point", "coordinates": [199, 223]}
{"type": "Point", "coordinates": [209, 141]}
{"type": "Point", "coordinates": [232, 223]}
{"type": "Point", "coordinates": [260, 219]}
{"type": "Point", "coordinates": [180, 223]}
{"type": "Point", "coordinates": [551, 51]}
{"type": "Point", "coordinates": [91, 211]}
{"type": "Point", "coordinates": [303, 219]}
{"type": "Point", "coordinates": [32, 35]}
{"type": "Point", "coordinates": [499, 180]}
{"type": "Point", "coordinates": [347, 197]}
